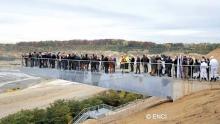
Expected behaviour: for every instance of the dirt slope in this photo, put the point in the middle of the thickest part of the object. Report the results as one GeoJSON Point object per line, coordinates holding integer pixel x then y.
{"type": "Point", "coordinates": [215, 53]}
{"type": "Point", "coordinates": [41, 95]}
{"type": "Point", "coordinates": [202, 107]}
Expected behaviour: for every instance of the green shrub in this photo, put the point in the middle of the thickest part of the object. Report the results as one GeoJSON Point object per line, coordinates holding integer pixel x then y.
{"type": "Point", "coordinates": [74, 107]}
{"type": "Point", "coordinates": [25, 117]}
{"type": "Point", "coordinates": [58, 113]}
{"type": "Point", "coordinates": [111, 98]}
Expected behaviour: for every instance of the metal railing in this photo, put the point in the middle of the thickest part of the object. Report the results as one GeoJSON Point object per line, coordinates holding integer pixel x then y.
{"type": "Point", "coordinates": [190, 72]}
{"type": "Point", "coordinates": [97, 107]}
{"type": "Point", "coordinates": [78, 118]}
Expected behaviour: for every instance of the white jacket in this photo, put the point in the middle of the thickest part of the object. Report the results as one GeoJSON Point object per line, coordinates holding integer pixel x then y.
{"type": "Point", "coordinates": [214, 63]}
{"type": "Point", "coordinates": [203, 66]}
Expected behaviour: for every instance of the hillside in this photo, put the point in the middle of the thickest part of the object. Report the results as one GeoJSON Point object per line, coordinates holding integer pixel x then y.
{"type": "Point", "coordinates": [215, 53]}
{"type": "Point", "coordinates": [202, 107]}
{"type": "Point", "coordinates": [117, 45]}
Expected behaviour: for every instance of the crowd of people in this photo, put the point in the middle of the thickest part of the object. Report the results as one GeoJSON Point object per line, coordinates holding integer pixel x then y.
{"type": "Point", "coordinates": [70, 61]}
{"type": "Point", "coordinates": [161, 65]}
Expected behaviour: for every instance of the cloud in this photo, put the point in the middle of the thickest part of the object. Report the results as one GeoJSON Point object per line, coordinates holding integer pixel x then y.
{"type": "Point", "coordinates": [154, 20]}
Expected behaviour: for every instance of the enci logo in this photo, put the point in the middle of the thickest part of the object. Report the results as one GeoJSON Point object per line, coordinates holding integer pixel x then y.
{"type": "Point", "coordinates": [156, 116]}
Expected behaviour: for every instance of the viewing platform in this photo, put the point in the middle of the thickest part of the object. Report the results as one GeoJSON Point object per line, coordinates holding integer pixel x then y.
{"type": "Point", "coordinates": [164, 87]}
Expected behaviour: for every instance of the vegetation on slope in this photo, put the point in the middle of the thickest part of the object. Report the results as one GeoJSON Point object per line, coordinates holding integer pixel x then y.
{"type": "Point", "coordinates": [108, 45]}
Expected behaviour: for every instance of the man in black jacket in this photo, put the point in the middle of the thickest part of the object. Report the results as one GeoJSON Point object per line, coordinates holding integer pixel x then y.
{"type": "Point", "coordinates": [168, 65]}
{"type": "Point", "coordinates": [132, 64]}
{"type": "Point", "coordinates": [106, 64]}
{"type": "Point", "coordinates": [138, 62]}
{"type": "Point", "coordinates": [145, 62]}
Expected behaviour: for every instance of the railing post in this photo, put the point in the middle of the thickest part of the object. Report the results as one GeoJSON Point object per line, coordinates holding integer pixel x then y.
{"type": "Point", "coordinates": [55, 65]}
{"type": "Point", "coordinates": [22, 61]}
{"type": "Point", "coordinates": [48, 63]}
{"type": "Point", "coordinates": [79, 65]}
{"type": "Point", "coordinates": [173, 70]}
{"type": "Point", "coordinates": [200, 78]}
{"type": "Point", "coordinates": [191, 73]}
{"type": "Point", "coordinates": [68, 65]}
{"type": "Point", "coordinates": [209, 70]}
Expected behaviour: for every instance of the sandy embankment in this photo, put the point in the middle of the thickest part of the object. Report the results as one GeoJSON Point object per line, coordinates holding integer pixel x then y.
{"type": "Point", "coordinates": [202, 107]}
{"type": "Point", "coordinates": [41, 95]}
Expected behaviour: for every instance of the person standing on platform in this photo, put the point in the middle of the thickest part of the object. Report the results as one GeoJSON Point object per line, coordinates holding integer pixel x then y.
{"type": "Point", "coordinates": [168, 65]}
{"type": "Point", "coordinates": [203, 70]}
{"type": "Point", "coordinates": [132, 63]}
{"type": "Point", "coordinates": [138, 62]}
{"type": "Point", "coordinates": [106, 64]}
{"type": "Point", "coordinates": [196, 69]}
{"type": "Point", "coordinates": [122, 63]}
{"type": "Point", "coordinates": [213, 68]}
{"type": "Point", "coordinates": [145, 61]}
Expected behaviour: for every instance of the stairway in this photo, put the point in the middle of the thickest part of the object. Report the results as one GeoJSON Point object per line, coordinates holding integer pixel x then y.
{"type": "Point", "coordinates": [82, 118]}
{"type": "Point", "coordinates": [92, 112]}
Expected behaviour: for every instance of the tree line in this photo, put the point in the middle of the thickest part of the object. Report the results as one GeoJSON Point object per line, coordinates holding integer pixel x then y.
{"type": "Point", "coordinates": [109, 45]}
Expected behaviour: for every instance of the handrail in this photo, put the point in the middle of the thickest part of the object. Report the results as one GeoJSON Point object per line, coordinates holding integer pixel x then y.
{"type": "Point", "coordinates": [81, 60]}
{"type": "Point", "coordinates": [100, 106]}
{"type": "Point", "coordinates": [85, 110]}
{"type": "Point", "coordinates": [112, 108]}
{"type": "Point", "coordinates": [178, 71]}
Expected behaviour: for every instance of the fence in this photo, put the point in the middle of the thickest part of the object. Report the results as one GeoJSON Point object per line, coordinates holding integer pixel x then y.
{"type": "Point", "coordinates": [77, 119]}
{"type": "Point", "coordinates": [190, 72]}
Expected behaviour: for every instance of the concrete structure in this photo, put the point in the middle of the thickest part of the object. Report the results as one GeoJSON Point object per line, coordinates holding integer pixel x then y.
{"type": "Point", "coordinates": [163, 87]}
{"type": "Point", "coordinates": [143, 84]}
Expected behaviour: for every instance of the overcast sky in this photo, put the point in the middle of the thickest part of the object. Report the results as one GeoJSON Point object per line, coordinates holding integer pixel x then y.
{"type": "Point", "coordinates": [188, 21]}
